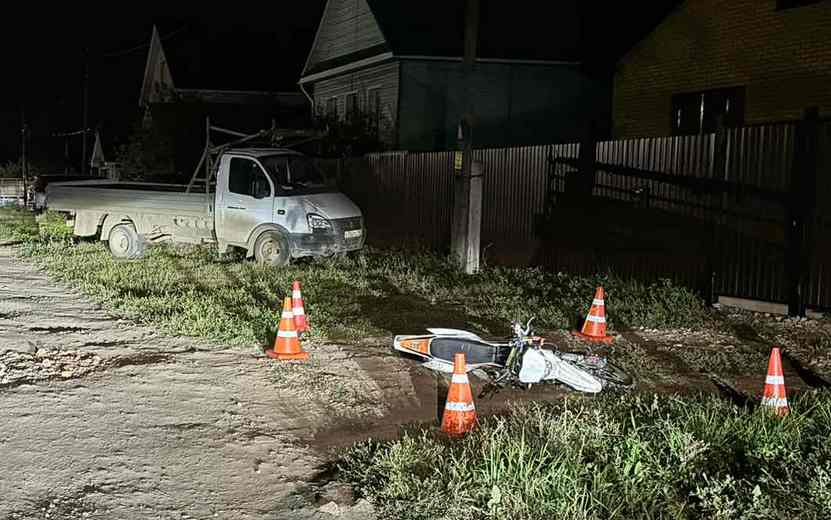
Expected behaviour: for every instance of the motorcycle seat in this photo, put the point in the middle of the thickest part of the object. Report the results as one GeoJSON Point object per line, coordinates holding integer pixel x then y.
{"type": "Point", "coordinates": [475, 352]}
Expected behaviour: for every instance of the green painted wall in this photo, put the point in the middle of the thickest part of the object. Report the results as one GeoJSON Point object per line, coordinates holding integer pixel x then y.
{"type": "Point", "coordinates": [514, 104]}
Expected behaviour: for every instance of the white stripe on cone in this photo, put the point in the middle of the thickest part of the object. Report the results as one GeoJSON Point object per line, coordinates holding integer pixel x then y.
{"type": "Point", "coordinates": [460, 378]}
{"type": "Point", "coordinates": [295, 294]}
{"type": "Point", "coordinates": [777, 402]}
{"type": "Point", "coordinates": [597, 302]}
{"type": "Point", "coordinates": [459, 407]}
{"type": "Point", "coordinates": [596, 319]}
{"type": "Point", "coordinates": [286, 333]}
{"type": "Point", "coordinates": [287, 315]}
{"type": "Point", "coordinates": [775, 380]}
{"type": "Point", "coordinates": [298, 311]}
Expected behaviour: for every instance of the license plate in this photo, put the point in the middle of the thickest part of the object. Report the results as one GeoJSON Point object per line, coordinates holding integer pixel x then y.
{"type": "Point", "coordinates": [355, 233]}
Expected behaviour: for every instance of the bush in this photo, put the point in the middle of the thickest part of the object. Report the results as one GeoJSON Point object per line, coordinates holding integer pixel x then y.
{"type": "Point", "coordinates": [17, 224]}
{"type": "Point", "coordinates": [52, 227]}
{"type": "Point", "coordinates": [21, 225]}
{"type": "Point", "coordinates": [615, 457]}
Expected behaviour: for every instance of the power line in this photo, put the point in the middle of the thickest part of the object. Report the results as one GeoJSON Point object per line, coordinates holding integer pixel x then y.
{"type": "Point", "coordinates": [69, 134]}
{"type": "Point", "coordinates": [142, 46]}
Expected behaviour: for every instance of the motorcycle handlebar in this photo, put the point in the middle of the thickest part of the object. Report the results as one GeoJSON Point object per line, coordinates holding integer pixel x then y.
{"type": "Point", "coordinates": [519, 332]}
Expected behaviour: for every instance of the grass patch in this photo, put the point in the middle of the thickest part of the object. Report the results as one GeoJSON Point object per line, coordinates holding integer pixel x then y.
{"type": "Point", "coordinates": [17, 224]}
{"type": "Point", "coordinates": [616, 457]}
{"type": "Point", "coordinates": [21, 225]}
{"type": "Point", "coordinates": [191, 291]}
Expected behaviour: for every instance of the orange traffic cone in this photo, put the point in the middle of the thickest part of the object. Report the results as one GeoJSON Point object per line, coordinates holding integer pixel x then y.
{"type": "Point", "coordinates": [459, 413]}
{"type": "Point", "coordinates": [594, 329]}
{"type": "Point", "coordinates": [300, 322]}
{"type": "Point", "coordinates": [775, 396]}
{"type": "Point", "coordinates": [286, 344]}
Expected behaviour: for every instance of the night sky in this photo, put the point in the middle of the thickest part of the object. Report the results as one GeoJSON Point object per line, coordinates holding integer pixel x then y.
{"type": "Point", "coordinates": [44, 55]}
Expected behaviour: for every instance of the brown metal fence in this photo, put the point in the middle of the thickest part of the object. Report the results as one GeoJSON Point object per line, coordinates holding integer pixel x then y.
{"type": "Point", "coordinates": [819, 278]}
{"type": "Point", "coordinates": [514, 195]}
{"type": "Point", "coordinates": [708, 210]}
{"type": "Point", "coordinates": [405, 197]}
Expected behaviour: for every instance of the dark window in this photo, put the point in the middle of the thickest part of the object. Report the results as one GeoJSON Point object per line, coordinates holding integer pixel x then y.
{"type": "Point", "coordinates": [789, 4]}
{"type": "Point", "coordinates": [373, 105]}
{"type": "Point", "coordinates": [700, 112]}
{"type": "Point", "coordinates": [332, 107]}
{"type": "Point", "coordinates": [246, 178]}
{"type": "Point", "coordinates": [295, 174]}
{"type": "Point", "coordinates": [352, 104]}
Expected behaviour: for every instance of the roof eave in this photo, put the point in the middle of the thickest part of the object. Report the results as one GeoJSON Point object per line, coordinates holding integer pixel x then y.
{"type": "Point", "coordinates": [314, 42]}
{"type": "Point", "coordinates": [489, 60]}
{"type": "Point", "coordinates": [372, 60]}
{"type": "Point", "coordinates": [380, 58]}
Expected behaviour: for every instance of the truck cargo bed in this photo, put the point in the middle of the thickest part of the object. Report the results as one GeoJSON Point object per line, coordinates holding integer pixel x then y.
{"type": "Point", "coordinates": [114, 197]}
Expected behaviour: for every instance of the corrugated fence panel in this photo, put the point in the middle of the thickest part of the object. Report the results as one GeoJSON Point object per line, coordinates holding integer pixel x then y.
{"type": "Point", "coordinates": [819, 282]}
{"type": "Point", "coordinates": [751, 239]}
{"type": "Point", "coordinates": [687, 156]}
{"type": "Point", "coordinates": [405, 197]}
{"type": "Point", "coordinates": [408, 197]}
{"type": "Point", "coordinates": [513, 193]}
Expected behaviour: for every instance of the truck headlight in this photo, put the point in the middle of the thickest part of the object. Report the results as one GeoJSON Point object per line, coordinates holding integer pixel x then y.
{"type": "Point", "coordinates": [318, 222]}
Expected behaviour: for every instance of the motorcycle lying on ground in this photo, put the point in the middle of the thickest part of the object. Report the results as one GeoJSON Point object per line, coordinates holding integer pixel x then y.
{"type": "Point", "coordinates": [520, 361]}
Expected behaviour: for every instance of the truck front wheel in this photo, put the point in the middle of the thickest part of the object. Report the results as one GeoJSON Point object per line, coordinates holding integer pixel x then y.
{"type": "Point", "coordinates": [125, 242]}
{"type": "Point", "coordinates": [272, 248]}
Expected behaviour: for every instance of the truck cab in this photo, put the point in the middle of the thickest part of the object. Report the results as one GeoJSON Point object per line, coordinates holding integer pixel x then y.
{"type": "Point", "coordinates": [276, 204]}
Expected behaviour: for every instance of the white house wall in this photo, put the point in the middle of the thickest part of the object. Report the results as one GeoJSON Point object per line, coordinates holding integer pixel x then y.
{"type": "Point", "coordinates": [385, 77]}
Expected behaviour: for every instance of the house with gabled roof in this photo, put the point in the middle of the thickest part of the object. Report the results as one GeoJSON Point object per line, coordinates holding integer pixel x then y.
{"type": "Point", "coordinates": [190, 68]}
{"type": "Point", "coordinates": [401, 63]}
{"type": "Point", "coordinates": [191, 73]}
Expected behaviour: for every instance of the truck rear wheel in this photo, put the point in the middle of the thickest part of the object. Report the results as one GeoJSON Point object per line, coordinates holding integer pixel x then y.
{"type": "Point", "coordinates": [125, 242]}
{"type": "Point", "coordinates": [272, 248]}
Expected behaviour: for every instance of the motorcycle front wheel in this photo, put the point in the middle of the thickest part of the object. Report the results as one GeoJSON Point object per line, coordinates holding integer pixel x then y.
{"type": "Point", "coordinates": [614, 374]}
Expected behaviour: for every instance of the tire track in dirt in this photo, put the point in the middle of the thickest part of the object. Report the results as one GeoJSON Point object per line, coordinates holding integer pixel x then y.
{"type": "Point", "coordinates": [164, 427]}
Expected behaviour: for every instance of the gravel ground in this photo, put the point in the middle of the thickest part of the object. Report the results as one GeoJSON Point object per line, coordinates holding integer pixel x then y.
{"type": "Point", "coordinates": [807, 340]}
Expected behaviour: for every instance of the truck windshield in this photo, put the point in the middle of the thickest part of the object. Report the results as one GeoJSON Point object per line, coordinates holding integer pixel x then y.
{"type": "Point", "coordinates": [295, 174]}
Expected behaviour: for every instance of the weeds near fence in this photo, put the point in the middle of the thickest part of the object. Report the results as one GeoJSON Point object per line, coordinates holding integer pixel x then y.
{"type": "Point", "coordinates": [376, 293]}
{"type": "Point", "coordinates": [635, 456]}
{"type": "Point", "coordinates": [192, 291]}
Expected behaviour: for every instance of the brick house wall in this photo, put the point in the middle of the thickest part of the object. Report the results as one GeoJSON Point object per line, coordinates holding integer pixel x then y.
{"type": "Point", "coordinates": [781, 57]}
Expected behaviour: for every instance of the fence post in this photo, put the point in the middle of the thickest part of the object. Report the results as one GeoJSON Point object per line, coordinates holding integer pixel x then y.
{"type": "Point", "coordinates": [800, 210]}
{"type": "Point", "coordinates": [580, 184]}
{"type": "Point", "coordinates": [718, 172]}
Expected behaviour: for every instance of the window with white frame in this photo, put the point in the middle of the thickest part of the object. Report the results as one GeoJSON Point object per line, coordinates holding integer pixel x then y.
{"type": "Point", "coordinates": [373, 104]}
{"type": "Point", "coordinates": [352, 104]}
{"type": "Point", "coordinates": [332, 106]}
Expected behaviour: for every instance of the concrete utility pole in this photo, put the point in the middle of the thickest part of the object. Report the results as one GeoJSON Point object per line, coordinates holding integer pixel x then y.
{"type": "Point", "coordinates": [84, 113]}
{"type": "Point", "coordinates": [467, 189]}
{"type": "Point", "coordinates": [24, 160]}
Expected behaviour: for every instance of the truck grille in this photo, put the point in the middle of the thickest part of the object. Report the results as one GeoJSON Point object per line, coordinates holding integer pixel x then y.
{"type": "Point", "coordinates": [341, 225]}
{"type": "Point", "coordinates": [348, 224]}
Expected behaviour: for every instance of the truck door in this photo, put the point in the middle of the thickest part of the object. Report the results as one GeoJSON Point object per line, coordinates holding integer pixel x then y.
{"type": "Point", "coordinates": [246, 201]}
{"type": "Point", "coordinates": [288, 208]}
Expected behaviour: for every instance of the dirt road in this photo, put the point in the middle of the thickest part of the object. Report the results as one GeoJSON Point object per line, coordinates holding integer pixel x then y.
{"type": "Point", "coordinates": [157, 427]}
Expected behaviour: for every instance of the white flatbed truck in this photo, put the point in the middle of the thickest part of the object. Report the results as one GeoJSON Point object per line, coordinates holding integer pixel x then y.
{"type": "Point", "coordinates": [273, 203]}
